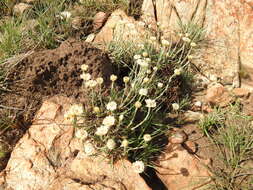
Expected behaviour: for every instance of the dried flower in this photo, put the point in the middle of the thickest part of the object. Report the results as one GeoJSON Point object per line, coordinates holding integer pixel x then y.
{"type": "Point", "coordinates": [143, 92]}
{"type": "Point", "coordinates": [150, 103]}
{"type": "Point", "coordinates": [186, 39]}
{"type": "Point", "coordinates": [126, 79]}
{"type": "Point", "coordinates": [142, 63]}
{"type": "Point", "coordinates": [111, 144]}
{"type": "Point", "coordinates": [193, 44]}
{"type": "Point", "coordinates": [109, 121]}
{"type": "Point", "coordinates": [102, 130]}
{"type": "Point", "coordinates": [165, 42]}
{"type": "Point", "coordinates": [177, 71]}
{"type": "Point", "coordinates": [138, 166]}
{"type": "Point", "coordinates": [190, 57]}
{"type": "Point", "coordinates": [96, 109]}
{"type": "Point", "coordinates": [146, 79]}
{"type": "Point", "coordinates": [100, 80]}
{"type": "Point", "coordinates": [148, 60]}
{"type": "Point", "coordinates": [145, 54]}
{"type": "Point", "coordinates": [137, 57]}
{"type": "Point", "coordinates": [113, 78]}
{"type": "Point", "coordinates": [111, 106]}
{"type": "Point", "coordinates": [81, 134]}
{"type": "Point", "coordinates": [85, 76]}
{"type": "Point", "coordinates": [159, 85]}
{"type": "Point", "coordinates": [149, 71]}
{"type": "Point", "coordinates": [137, 104]}
{"type": "Point", "coordinates": [153, 38]}
{"type": "Point", "coordinates": [124, 143]}
{"type": "Point", "coordinates": [91, 83]}
{"type": "Point", "coordinates": [175, 106]}
{"type": "Point", "coordinates": [89, 149]}
{"type": "Point", "coordinates": [147, 137]}
{"type": "Point", "coordinates": [84, 67]}
{"type": "Point", "coordinates": [121, 117]}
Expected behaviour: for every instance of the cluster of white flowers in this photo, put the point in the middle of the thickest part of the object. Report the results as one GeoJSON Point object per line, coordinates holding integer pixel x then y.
{"type": "Point", "coordinates": [81, 134]}
{"type": "Point", "coordinates": [150, 103]}
{"type": "Point", "coordinates": [74, 111]}
{"type": "Point", "coordinates": [88, 82]}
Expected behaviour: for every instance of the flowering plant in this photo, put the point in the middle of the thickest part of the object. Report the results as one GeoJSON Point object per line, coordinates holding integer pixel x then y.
{"type": "Point", "coordinates": [127, 122]}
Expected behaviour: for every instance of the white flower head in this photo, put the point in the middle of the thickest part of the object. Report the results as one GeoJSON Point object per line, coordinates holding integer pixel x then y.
{"type": "Point", "coordinates": [136, 57]}
{"type": "Point", "coordinates": [113, 78]}
{"type": "Point", "coordinates": [175, 106]}
{"type": "Point", "coordinates": [138, 166]}
{"type": "Point", "coordinates": [152, 38]}
{"type": "Point", "coordinates": [100, 80]}
{"type": "Point", "coordinates": [137, 104]}
{"type": "Point", "coordinates": [111, 106]}
{"type": "Point", "coordinates": [155, 68]}
{"type": "Point", "coordinates": [65, 15]}
{"type": "Point", "coordinates": [149, 71]}
{"type": "Point", "coordinates": [111, 144]}
{"type": "Point", "coordinates": [143, 92]}
{"type": "Point", "coordinates": [126, 79]}
{"type": "Point", "coordinates": [89, 149]}
{"type": "Point", "coordinates": [84, 67]}
{"type": "Point", "coordinates": [121, 117]}
{"type": "Point", "coordinates": [159, 85]}
{"type": "Point", "coordinates": [177, 71]}
{"type": "Point", "coordinates": [85, 76]}
{"type": "Point", "coordinates": [145, 54]}
{"type": "Point", "coordinates": [109, 121]}
{"type": "Point", "coordinates": [148, 60]}
{"type": "Point", "coordinates": [186, 39]}
{"type": "Point", "coordinates": [187, 34]}
{"type": "Point", "coordinates": [76, 109]}
{"type": "Point", "coordinates": [190, 57]}
{"type": "Point", "coordinates": [150, 103]}
{"type": "Point", "coordinates": [193, 44]}
{"type": "Point", "coordinates": [198, 103]}
{"type": "Point", "coordinates": [124, 143]}
{"type": "Point", "coordinates": [102, 130]}
{"type": "Point", "coordinates": [96, 109]}
{"type": "Point", "coordinates": [147, 137]}
{"type": "Point", "coordinates": [165, 42]}
{"type": "Point", "coordinates": [81, 134]}
{"type": "Point", "coordinates": [91, 83]}
{"type": "Point", "coordinates": [142, 63]}
{"type": "Point", "coordinates": [146, 79]}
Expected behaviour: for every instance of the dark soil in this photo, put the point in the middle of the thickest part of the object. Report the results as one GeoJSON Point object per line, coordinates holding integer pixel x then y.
{"type": "Point", "coordinates": [45, 74]}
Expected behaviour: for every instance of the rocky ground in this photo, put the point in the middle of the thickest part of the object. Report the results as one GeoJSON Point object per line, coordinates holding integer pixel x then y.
{"type": "Point", "coordinates": [46, 155]}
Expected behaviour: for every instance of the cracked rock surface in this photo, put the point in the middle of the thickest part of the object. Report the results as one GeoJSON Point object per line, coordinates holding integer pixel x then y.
{"type": "Point", "coordinates": [48, 157]}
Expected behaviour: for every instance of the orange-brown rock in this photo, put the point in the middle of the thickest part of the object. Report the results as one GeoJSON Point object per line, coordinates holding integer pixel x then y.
{"type": "Point", "coordinates": [48, 157]}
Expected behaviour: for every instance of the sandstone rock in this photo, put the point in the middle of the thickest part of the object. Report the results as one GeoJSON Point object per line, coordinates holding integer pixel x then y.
{"type": "Point", "coordinates": [99, 20]}
{"type": "Point", "coordinates": [49, 157]}
{"type": "Point", "coordinates": [120, 26]}
{"type": "Point", "coordinates": [218, 95]}
{"type": "Point", "coordinates": [241, 92]}
{"type": "Point", "coordinates": [228, 26]}
{"type": "Point", "coordinates": [178, 169]}
{"type": "Point", "coordinates": [20, 8]}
